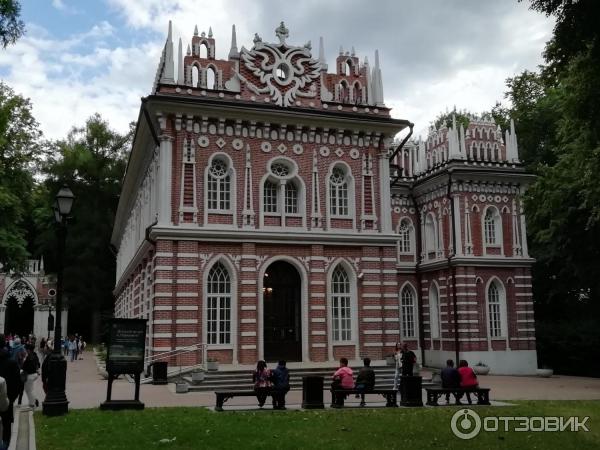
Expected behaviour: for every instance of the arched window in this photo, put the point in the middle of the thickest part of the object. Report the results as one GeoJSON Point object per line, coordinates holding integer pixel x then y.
{"type": "Point", "coordinates": [348, 68]}
{"type": "Point", "coordinates": [341, 311]}
{"type": "Point", "coordinates": [434, 312]}
{"type": "Point", "coordinates": [291, 198]}
{"type": "Point", "coordinates": [219, 185]}
{"type": "Point", "coordinates": [211, 78]}
{"type": "Point", "coordinates": [195, 76]}
{"type": "Point", "coordinates": [344, 91]}
{"type": "Point", "coordinates": [492, 226]}
{"type": "Point", "coordinates": [430, 233]}
{"type": "Point", "coordinates": [407, 312]}
{"type": "Point", "coordinates": [203, 50]}
{"type": "Point", "coordinates": [496, 310]}
{"type": "Point", "coordinates": [218, 308]}
{"type": "Point", "coordinates": [405, 236]}
{"type": "Point", "coordinates": [270, 197]}
{"type": "Point", "coordinates": [338, 193]}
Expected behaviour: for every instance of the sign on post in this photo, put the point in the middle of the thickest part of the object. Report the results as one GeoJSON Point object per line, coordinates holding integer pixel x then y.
{"type": "Point", "coordinates": [125, 355]}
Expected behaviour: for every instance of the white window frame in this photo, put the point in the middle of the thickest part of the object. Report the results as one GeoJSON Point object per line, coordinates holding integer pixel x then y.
{"type": "Point", "coordinates": [408, 236]}
{"type": "Point", "coordinates": [408, 312]}
{"type": "Point", "coordinates": [498, 232]}
{"type": "Point", "coordinates": [431, 234]}
{"type": "Point", "coordinates": [353, 298]}
{"type": "Point", "coordinates": [232, 190]}
{"type": "Point", "coordinates": [350, 187]}
{"type": "Point", "coordinates": [500, 313]}
{"type": "Point", "coordinates": [435, 332]}
{"type": "Point", "coordinates": [222, 308]}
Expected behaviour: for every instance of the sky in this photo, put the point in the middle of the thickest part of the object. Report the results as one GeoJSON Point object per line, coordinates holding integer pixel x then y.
{"type": "Point", "coordinates": [81, 57]}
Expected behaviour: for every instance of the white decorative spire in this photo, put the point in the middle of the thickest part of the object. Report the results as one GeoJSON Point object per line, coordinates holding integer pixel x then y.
{"type": "Point", "coordinates": [453, 141]}
{"type": "Point", "coordinates": [353, 53]}
{"type": "Point", "coordinates": [377, 82]}
{"type": "Point", "coordinates": [463, 146]}
{"type": "Point", "coordinates": [322, 55]}
{"type": "Point", "coordinates": [341, 50]}
{"type": "Point", "coordinates": [370, 100]}
{"type": "Point", "coordinates": [210, 33]}
{"type": "Point", "coordinates": [233, 52]}
{"type": "Point", "coordinates": [195, 30]}
{"type": "Point", "coordinates": [180, 77]}
{"type": "Point", "coordinates": [168, 73]}
{"type": "Point", "coordinates": [189, 50]}
{"type": "Point", "coordinates": [512, 148]}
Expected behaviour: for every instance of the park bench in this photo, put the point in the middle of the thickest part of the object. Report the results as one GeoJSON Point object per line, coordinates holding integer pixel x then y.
{"type": "Point", "coordinates": [223, 396]}
{"type": "Point", "coordinates": [338, 396]}
{"type": "Point", "coordinates": [433, 394]}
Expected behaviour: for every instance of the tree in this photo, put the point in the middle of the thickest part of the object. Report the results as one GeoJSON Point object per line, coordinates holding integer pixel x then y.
{"type": "Point", "coordinates": [19, 153]}
{"type": "Point", "coordinates": [11, 27]}
{"type": "Point", "coordinates": [91, 161]}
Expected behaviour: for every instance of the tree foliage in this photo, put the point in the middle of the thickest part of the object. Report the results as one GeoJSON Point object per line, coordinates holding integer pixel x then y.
{"type": "Point", "coordinates": [19, 153]}
{"type": "Point", "coordinates": [557, 112]}
{"type": "Point", "coordinates": [91, 161]}
{"type": "Point", "coordinates": [11, 27]}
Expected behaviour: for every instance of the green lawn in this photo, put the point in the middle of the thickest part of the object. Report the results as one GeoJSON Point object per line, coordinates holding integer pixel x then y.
{"type": "Point", "coordinates": [331, 429]}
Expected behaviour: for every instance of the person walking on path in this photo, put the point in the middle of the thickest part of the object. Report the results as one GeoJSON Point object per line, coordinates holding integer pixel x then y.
{"type": "Point", "coordinates": [261, 378]}
{"type": "Point", "coordinates": [9, 370]}
{"type": "Point", "coordinates": [281, 385]}
{"type": "Point", "coordinates": [31, 367]}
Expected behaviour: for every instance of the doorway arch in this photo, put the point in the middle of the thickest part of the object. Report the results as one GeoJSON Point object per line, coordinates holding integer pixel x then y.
{"type": "Point", "coordinates": [19, 301]}
{"type": "Point", "coordinates": [282, 305]}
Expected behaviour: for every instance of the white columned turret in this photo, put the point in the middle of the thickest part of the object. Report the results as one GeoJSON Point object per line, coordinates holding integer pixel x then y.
{"type": "Point", "coordinates": [317, 218]}
{"type": "Point", "coordinates": [180, 76]}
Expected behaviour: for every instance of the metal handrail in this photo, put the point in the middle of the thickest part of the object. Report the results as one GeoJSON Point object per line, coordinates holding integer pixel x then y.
{"type": "Point", "coordinates": [177, 353]}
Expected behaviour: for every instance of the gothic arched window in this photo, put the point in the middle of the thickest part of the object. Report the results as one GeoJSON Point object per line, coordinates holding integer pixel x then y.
{"type": "Point", "coordinates": [434, 312]}
{"type": "Point", "coordinates": [496, 310]}
{"type": "Point", "coordinates": [341, 311]}
{"type": "Point", "coordinates": [407, 312]}
{"type": "Point", "coordinates": [430, 233]}
{"type": "Point", "coordinates": [291, 198]}
{"type": "Point", "coordinates": [270, 197]}
{"type": "Point", "coordinates": [219, 185]}
{"type": "Point", "coordinates": [492, 226]}
{"type": "Point", "coordinates": [218, 307]}
{"type": "Point", "coordinates": [405, 236]}
{"type": "Point", "coordinates": [338, 192]}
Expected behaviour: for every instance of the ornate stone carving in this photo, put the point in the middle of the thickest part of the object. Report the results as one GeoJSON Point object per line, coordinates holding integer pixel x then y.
{"type": "Point", "coordinates": [281, 71]}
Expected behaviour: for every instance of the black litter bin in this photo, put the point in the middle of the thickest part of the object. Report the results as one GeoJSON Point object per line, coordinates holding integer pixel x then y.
{"type": "Point", "coordinates": [312, 393]}
{"type": "Point", "coordinates": [411, 391]}
{"type": "Point", "coordinates": [159, 372]}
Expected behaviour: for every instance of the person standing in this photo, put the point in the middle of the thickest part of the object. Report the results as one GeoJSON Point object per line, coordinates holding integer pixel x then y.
{"type": "Point", "coordinates": [31, 366]}
{"type": "Point", "coordinates": [9, 370]}
{"type": "Point", "coordinates": [261, 378]}
{"type": "Point", "coordinates": [281, 385]}
{"type": "Point", "coordinates": [409, 359]}
{"type": "Point", "coordinates": [18, 354]}
{"type": "Point", "coordinates": [72, 348]}
{"type": "Point", "coordinates": [365, 380]}
{"type": "Point", "coordinates": [398, 360]}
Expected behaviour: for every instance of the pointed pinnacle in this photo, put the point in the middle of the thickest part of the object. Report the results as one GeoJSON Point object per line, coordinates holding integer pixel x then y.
{"type": "Point", "coordinates": [210, 33]}
{"type": "Point", "coordinates": [195, 30]}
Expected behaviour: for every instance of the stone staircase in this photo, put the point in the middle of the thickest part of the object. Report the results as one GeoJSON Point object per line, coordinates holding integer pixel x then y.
{"type": "Point", "coordinates": [242, 379]}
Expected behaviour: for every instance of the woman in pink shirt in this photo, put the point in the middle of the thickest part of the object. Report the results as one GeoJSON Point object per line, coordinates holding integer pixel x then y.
{"type": "Point", "coordinates": [342, 379]}
{"type": "Point", "coordinates": [468, 379]}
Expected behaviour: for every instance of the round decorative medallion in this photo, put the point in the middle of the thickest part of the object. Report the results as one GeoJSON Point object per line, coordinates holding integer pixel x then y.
{"type": "Point", "coordinates": [482, 198]}
{"type": "Point", "coordinates": [203, 141]}
{"type": "Point", "coordinates": [237, 144]}
{"type": "Point", "coordinates": [324, 151]}
{"type": "Point", "coordinates": [354, 153]}
{"type": "Point", "coordinates": [265, 147]}
{"type": "Point", "coordinates": [298, 149]}
{"type": "Point", "coordinates": [497, 199]}
{"type": "Point", "coordinates": [397, 210]}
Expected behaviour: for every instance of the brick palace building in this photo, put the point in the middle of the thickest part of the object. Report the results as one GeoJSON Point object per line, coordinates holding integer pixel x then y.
{"type": "Point", "coordinates": [268, 212]}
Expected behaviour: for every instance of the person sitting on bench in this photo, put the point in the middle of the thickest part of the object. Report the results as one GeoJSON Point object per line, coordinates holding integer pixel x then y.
{"type": "Point", "coordinates": [281, 385]}
{"type": "Point", "coordinates": [451, 379]}
{"type": "Point", "coordinates": [342, 379]}
{"type": "Point", "coordinates": [468, 379]}
{"type": "Point", "coordinates": [261, 378]}
{"type": "Point", "coordinates": [365, 380]}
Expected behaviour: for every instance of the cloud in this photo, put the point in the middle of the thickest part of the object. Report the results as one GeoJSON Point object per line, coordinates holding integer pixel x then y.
{"type": "Point", "coordinates": [434, 54]}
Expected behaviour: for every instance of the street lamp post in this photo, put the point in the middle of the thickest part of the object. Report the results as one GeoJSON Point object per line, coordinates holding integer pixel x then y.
{"type": "Point", "coordinates": [56, 402]}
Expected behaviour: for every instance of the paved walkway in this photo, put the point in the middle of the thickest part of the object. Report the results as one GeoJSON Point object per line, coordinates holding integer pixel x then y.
{"type": "Point", "coordinates": [87, 389]}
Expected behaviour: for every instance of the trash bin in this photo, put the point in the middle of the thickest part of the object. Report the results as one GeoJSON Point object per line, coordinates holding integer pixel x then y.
{"type": "Point", "coordinates": [411, 391]}
{"type": "Point", "coordinates": [159, 372]}
{"type": "Point", "coordinates": [312, 393]}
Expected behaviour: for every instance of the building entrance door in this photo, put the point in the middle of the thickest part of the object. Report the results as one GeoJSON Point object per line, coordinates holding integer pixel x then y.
{"type": "Point", "coordinates": [281, 313]}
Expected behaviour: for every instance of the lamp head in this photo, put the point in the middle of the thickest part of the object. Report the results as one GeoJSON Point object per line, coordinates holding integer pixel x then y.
{"type": "Point", "coordinates": [64, 201]}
